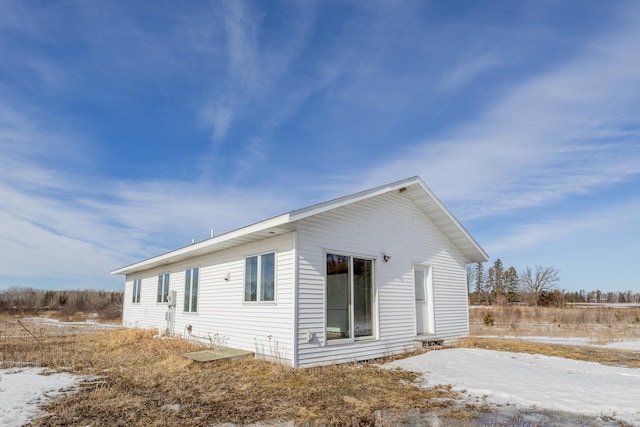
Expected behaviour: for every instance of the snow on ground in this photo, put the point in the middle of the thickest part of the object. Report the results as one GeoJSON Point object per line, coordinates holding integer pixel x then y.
{"type": "Point", "coordinates": [519, 379]}
{"type": "Point", "coordinates": [631, 345]}
{"type": "Point", "coordinates": [528, 380]}
{"type": "Point", "coordinates": [24, 390]}
{"type": "Point", "coordinates": [90, 323]}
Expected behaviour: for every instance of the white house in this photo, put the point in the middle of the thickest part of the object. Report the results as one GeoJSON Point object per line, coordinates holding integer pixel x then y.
{"type": "Point", "coordinates": [355, 278]}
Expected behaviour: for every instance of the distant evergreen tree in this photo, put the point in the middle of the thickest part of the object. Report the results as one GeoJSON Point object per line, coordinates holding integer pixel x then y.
{"type": "Point", "coordinates": [470, 284]}
{"type": "Point", "coordinates": [498, 278]}
{"type": "Point", "coordinates": [511, 284]}
{"type": "Point", "coordinates": [479, 281]}
{"type": "Point", "coordinates": [490, 285]}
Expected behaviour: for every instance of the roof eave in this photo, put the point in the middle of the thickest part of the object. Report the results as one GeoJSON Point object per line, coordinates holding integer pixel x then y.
{"type": "Point", "coordinates": [203, 247]}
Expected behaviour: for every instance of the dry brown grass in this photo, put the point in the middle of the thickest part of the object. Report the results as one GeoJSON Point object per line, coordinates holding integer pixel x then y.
{"type": "Point", "coordinates": [141, 380]}
{"type": "Point", "coordinates": [601, 324]}
{"type": "Point", "coordinates": [605, 356]}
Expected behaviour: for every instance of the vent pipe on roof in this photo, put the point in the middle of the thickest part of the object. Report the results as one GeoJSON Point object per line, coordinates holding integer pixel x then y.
{"type": "Point", "coordinates": [193, 241]}
{"type": "Point", "coordinates": [212, 232]}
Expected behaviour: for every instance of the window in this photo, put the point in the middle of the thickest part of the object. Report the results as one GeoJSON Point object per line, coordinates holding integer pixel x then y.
{"type": "Point", "coordinates": [259, 278]}
{"type": "Point", "coordinates": [349, 297]}
{"type": "Point", "coordinates": [136, 290]}
{"type": "Point", "coordinates": [163, 287]}
{"type": "Point", "coordinates": [191, 290]}
{"type": "Point", "coordinates": [418, 283]}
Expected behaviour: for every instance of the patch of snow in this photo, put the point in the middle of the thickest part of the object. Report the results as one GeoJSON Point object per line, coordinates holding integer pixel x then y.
{"type": "Point", "coordinates": [24, 390]}
{"type": "Point", "coordinates": [171, 407]}
{"type": "Point", "coordinates": [56, 322]}
{"type": "Point", "coordinates": [528, 380]}
{"type": "Point", "coordinates": [631, 345]}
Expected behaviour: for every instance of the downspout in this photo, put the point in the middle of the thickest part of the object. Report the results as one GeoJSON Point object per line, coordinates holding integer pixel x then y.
{"type": "Point", "coordinates": [294, 358]}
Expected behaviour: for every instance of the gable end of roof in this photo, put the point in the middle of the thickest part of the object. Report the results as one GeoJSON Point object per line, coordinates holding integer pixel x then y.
{"type": "Point", "coordinates": [414, 188]}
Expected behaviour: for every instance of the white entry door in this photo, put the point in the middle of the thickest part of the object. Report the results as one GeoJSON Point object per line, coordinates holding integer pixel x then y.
{"type": "Point", "coordinates": [423, 284]}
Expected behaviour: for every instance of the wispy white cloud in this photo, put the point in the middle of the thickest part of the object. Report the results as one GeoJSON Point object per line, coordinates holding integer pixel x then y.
{"type": "Point", "coordinates": [220, 119]}
{"type": "Point", "coordinates": [566, 132]}
{"type": "Point", "coordinates": [96, 223]}
{"type": "Point", "coordinates": [54, 234]}
{"type": "Point", "coordinates": [467, 70]}
{"type": "Point", "coordinates": [69, 226]}
{"type": "Point", "coordinates": [259, 77]}
{"type": "Point", "coordinates": [550, 233]}
{"type": "Point", "coordinates": [243, 24]}
{"type": "Point", "coordinates": [265, 84]}
{"type": "Point", "coordinates": [591, 247]}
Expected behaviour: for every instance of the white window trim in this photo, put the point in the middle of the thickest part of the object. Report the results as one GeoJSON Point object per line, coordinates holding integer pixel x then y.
{"type": "Point", "coordinates": [258, 301]}
{"type": "Point", "coordinates": [191, 313]}
{"type": "Point", "coordinates": [372, 337]}
{"type": "Point", "coordinates": [139, 293]}
{"type": "Point", "coordinates": [168, 281]}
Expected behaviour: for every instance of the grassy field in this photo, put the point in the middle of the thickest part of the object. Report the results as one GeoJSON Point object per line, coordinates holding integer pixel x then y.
{"type": "Point", "coordinates": [136, 378]}
{"type": "Point", "coordinates": [600, 325]}
{"type": "Point", "coordinates": [139, 379]}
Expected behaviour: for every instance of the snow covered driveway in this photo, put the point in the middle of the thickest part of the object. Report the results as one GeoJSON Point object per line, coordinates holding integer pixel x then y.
{"type": "Point", "coordinates": [527, 380]}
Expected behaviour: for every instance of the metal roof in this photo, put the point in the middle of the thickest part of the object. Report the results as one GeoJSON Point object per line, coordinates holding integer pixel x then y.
{"type": "Point", "coordinates": [414, 188]}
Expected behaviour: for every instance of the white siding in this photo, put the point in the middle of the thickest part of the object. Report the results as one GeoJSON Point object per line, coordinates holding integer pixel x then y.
{"type": "Point", "coordinates": [390, 224]}
{"type": "Point", "coordinates": [223, 317]}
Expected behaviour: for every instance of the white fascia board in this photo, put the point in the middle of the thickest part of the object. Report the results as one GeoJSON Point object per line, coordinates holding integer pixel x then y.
{"type": "Point", "coordinates": [209, 243]}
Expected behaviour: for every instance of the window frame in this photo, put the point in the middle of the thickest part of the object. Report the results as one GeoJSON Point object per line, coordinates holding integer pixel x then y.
{"type": "Point", "coordinates": [137, 291]}
{"type": "Point", "coordinates": [351, 304]}
{"type": "Point", "coordinates": [259, 278]}
{"type": "Point", "coordinates": [162, 296]}
{"type": "Point", "coordinates": [188, 308]}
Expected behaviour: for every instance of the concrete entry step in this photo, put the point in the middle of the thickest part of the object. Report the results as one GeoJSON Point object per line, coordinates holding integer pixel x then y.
{"type": "Point", "coordinates": [426, 341]}
{"type": "Point", "coordinates": [219, 353]}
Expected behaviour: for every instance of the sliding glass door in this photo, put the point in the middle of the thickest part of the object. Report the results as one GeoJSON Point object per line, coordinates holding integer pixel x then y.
{"type": "Point", "coordinates": [350, 297]}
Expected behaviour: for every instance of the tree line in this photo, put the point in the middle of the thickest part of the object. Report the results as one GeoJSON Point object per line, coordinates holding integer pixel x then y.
{"type": "Point", "coordinates": [29, 300]}
{"type": "Point", "coordinates": [531, 286]}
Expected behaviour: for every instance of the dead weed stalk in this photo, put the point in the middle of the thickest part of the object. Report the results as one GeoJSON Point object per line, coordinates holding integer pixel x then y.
{"type": "Point", "coordinates": [601, 324]}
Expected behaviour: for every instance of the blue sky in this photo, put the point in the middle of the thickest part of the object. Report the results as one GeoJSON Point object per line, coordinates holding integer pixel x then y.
{"type": "Point", "coordinates": [129, 128]}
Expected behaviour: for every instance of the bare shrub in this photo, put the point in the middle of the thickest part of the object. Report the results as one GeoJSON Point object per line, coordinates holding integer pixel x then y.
{"type": "Point", "coordinates": [600, 323]}
{"type": "Point", "coordinates": [107, 305]}
{"type": "Point", "coordinates": [488, 319]}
